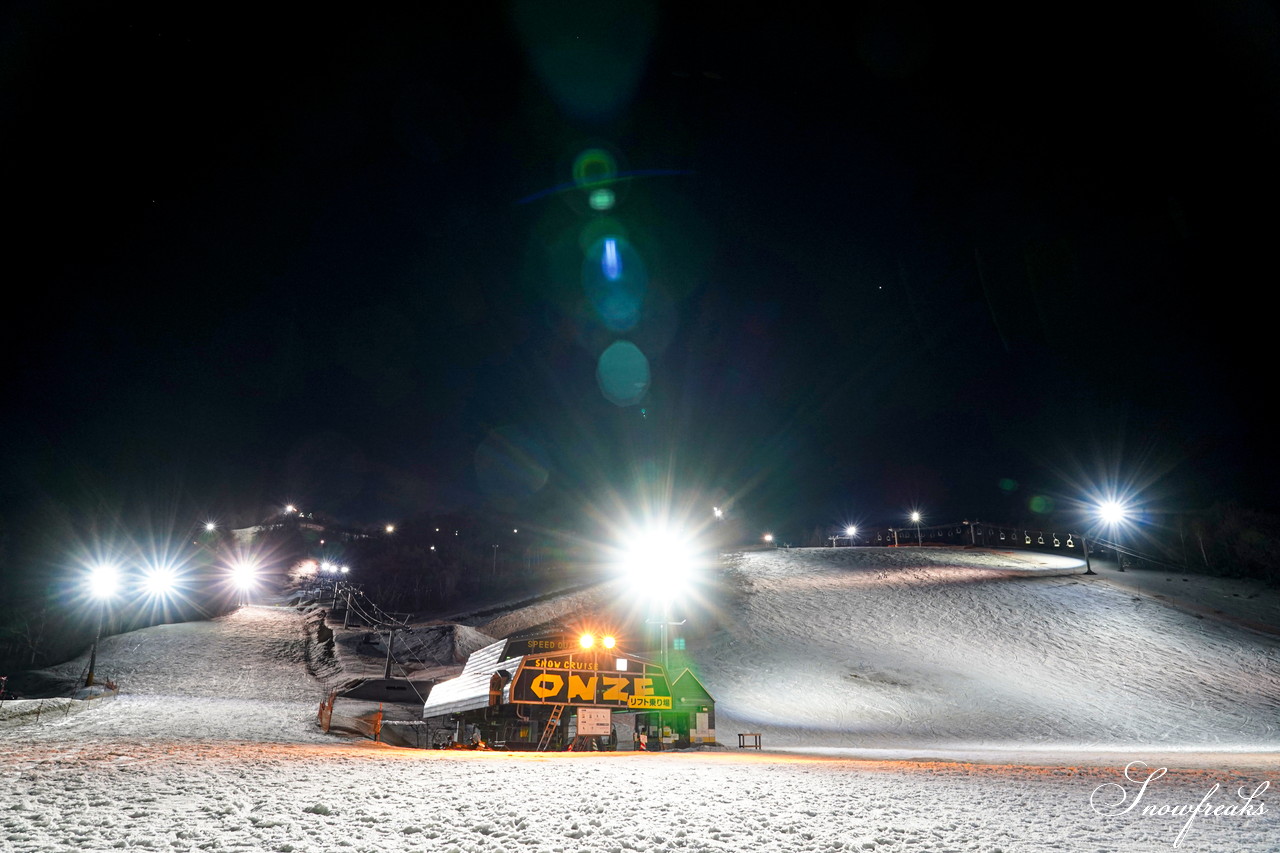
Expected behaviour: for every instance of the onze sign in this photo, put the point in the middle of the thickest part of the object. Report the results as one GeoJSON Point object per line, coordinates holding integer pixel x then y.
{"type": "Point", "coordinates": [551, 682]}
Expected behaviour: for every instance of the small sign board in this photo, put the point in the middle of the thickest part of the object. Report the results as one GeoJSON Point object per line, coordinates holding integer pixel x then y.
{"type": "Point", "coordinates": [593, 721]}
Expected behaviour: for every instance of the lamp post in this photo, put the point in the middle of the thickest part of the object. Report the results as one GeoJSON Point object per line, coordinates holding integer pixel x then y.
{"type": "Point", "coordinates": [103, 582]}
{"type": "Point", "coordinates": [851, 532]}
{"type": "Point", "coordinates": [660, 564]}
{"type": "Point", "coordinates": [1113, 514]}
{"type": "Point", "coordinates": [915, 519]}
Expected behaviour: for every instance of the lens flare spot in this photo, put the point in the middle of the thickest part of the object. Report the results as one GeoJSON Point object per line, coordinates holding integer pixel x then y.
{"type": "Point", "coordinates": [623, 374]}
{"type": "Point", "coordinates": [593, 166]}
{"type": "Point", "coordinates": [1008, 484]}
{"type": "Point", "coordinates": [615, 281]}
{"type": "Point", "coordinates": [610, 262]}
{"type": "Point", "coordinates": [601, 199]}
{"type": "Point", "coordinates": [1040, 504]}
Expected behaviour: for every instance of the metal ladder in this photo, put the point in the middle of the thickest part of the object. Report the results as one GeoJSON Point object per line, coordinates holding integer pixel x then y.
{"type": "Point", "coordinates": [550, 731]}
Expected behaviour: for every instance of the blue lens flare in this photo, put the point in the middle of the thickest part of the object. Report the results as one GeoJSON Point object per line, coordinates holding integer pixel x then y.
{"type": "Point", "coordinates": [610, 262]}
{"type": "Point", "coordinates": [615, 281]}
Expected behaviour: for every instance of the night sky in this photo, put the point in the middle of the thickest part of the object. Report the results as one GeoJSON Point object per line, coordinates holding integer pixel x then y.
{"type": "Point", "coordinates": [903, 256]}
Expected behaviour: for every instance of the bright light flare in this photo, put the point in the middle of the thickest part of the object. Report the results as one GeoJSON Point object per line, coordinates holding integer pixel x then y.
{"type": "Point", "coordinates": [244, 574]}
{"type": "Point", "coordinates": [851, 531]}
{"type": "Point", "coordinates": [915, 517]}
{"type": "Point", "coordinates": [160, 582]}
{"type": "Point", "coordinates": [104, 580]}
{"type": "Point", "coordinates": [1112, 512]}
{"type": "Point", "coordinates": [660, 562]}
{"type": "Point", "coordinates": [590, 641]}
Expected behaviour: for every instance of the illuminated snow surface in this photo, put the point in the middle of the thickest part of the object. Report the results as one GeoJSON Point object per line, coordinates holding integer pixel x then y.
{"type": "Point", "coordinates": [1037, 686]}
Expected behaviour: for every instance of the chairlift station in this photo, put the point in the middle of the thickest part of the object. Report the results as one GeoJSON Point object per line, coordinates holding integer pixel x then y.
{"type": "Point", "coordinates": [560, 692]}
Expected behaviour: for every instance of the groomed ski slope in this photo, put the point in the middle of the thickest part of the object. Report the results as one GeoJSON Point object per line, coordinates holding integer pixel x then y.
{"type": "Point", "coordinates": [213, 743]}
{"type": "Point", "coordinates": [958, 649]}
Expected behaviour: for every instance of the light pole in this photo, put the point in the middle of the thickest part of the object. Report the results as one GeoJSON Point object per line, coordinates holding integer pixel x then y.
{"type": "Point", "coordinates": [1113, 514]}
{"type": "Point", "coordinates": [103, 582]}
{"type": "Point", "coordinates": [851, 532]}
{"type": "Point", "coordinates": [915, 518]}
{"type": "Point", "coordinates": [495, 561]}
{"type": "Point", "coordinates": [660, 565]}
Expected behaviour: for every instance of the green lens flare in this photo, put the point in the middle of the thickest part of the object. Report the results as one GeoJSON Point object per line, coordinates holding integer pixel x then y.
{"type": "Point", "coordinates": [623, 374]}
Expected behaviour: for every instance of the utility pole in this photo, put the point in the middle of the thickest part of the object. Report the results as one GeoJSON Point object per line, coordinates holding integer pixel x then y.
{"type": "Point", "coordinates": [391, 640]}
{"type": "Point", "coordinates": [93, 653]}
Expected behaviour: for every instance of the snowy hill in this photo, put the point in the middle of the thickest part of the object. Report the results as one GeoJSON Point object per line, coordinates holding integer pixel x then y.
{"type": "Point", "coordinates": [950, 648]}
{"type": "Point", "coordinates": [213, 743]}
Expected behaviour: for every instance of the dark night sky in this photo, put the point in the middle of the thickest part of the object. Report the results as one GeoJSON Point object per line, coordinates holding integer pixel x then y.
{"type": "Point", "coordinates": [894, 257]}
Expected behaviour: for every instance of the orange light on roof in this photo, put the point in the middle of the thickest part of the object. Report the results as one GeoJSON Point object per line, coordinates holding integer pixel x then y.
{"type": "Point", "coordinates": [608, 642]}
{"type": "Point", "coordinates": [586, 641]}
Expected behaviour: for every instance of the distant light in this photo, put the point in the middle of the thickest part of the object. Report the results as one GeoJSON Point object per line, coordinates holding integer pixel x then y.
{"type": "Point", "coordinates": [515, 530]}
{"type": "Point", "coordinates": [586, 641]}
{"type": "Point", "coordinates": [608, 642]}
{"type": "Point", "coordinates": [391, 528]}
{"type": "Point", "coordinates": [718, 511]}
{"type": "Point", "coordinates": [210, 526]}
{"type": "Point", "coordinates": [850, 531]}
{"type": "Point", "coordinates": [345, 569]}
{"type": "Point", "coordinates": [290, 508]}
{"type": "Point", "coordinates": [915, 516]}
{"type": "Point", "coordinates": [768, 537]}
{"type": "Point", "coordinates": [104, 580]}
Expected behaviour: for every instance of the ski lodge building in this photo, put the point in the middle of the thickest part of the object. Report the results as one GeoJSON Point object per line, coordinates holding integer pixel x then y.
{"type": "Point", "coordinates": [567, 692]}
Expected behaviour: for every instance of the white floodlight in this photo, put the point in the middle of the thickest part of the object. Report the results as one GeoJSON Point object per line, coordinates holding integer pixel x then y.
{"type": "Point", "coordinates": [160, 581]}
{"type": "Point", "coordinates": [660, 561]}
{"type": "Point", "coordinates": [1112, 512]}
{"type": "Point", "coordinates": [104, 580]}
{"type": "Point", "coordinates": [244, 574]}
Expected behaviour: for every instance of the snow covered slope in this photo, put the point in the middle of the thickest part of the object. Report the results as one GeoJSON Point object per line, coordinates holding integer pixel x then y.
{"type": "Point", "coordinates": [240, 677]}
{"type": "Point", "coordinates": [213, 743]}
{"type": "Point", "coordinates": [949, 648]}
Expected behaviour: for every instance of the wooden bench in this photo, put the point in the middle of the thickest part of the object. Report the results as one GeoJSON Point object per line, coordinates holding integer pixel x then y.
{"type": "Point", "coordinates": [753, 743]}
